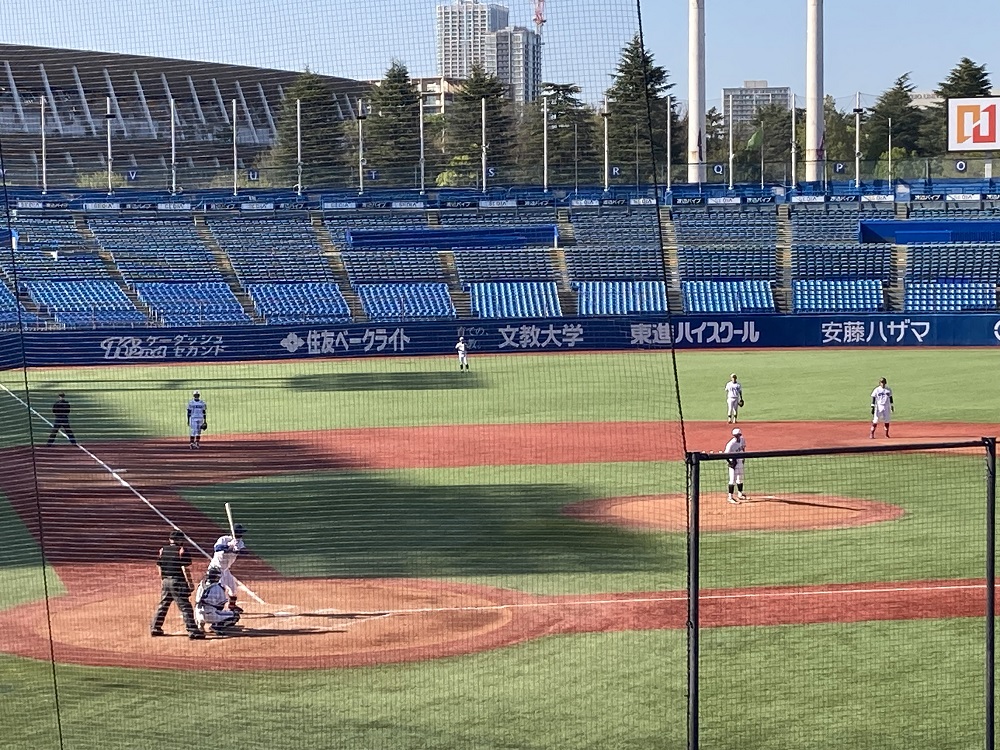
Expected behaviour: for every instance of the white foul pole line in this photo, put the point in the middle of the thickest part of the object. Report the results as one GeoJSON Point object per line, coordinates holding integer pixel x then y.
{"type": "Point", "coordinates": [118, 478]}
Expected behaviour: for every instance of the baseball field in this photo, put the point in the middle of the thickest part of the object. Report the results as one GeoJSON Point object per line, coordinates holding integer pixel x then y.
{"type": "Point", "coordinates": [497, 558]}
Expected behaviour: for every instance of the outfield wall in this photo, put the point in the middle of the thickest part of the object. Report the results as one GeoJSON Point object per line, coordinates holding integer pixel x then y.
{"type": "Point", "coordinates": [52, 348]}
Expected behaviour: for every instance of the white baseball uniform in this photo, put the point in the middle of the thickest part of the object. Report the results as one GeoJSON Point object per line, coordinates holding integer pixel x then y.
{"type": "Point", "coordinates": [882, 398]}
{"type": "Point", "coordinates": [226, 550]}
{"type": "Point", "coordinates": [736, 444]}
{"type": "Point", "coordinates": [463, 356]}
{"type": "Point", "coordinates": [734, 392]}
{"type": "Point", "coordinates": [196, 415]}
{"type": "Point", "coordinates": [209, 605]}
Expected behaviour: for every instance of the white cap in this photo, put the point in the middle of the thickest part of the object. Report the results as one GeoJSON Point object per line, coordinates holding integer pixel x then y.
{"type": "Point", "coordinates": [196, 394]}
{"type": "Point", "coordinates": [733, 375]}
{"type": "Point", "coordinates": [736, 432]}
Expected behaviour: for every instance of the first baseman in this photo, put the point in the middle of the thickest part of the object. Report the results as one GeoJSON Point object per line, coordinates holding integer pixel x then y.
{"type": "Point", "coordinates": [463, 354]}
{"type": "Point", "coordinates": [196, 415]}
{"type": "Point", "coordinates": [227, 549]}
{"type": "Point", "coordinates": [734, 398]}
{"type": "Point", "coordinates": [736, 444]}
{"type": "Point", "coordinates": [882, 407]}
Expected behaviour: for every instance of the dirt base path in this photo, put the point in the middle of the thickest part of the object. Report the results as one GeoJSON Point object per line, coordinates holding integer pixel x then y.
{"type": "Point", "coordinates": [101, 534]}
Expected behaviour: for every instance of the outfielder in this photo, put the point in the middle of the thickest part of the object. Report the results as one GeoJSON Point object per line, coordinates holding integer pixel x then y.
{"type": "Point", "coordinates": [882, 407]}
{"type": "Point", "coordinates": [197, 419]}
{"type": "Point", "coordinates": [210, 602]}
{"type": "Point", "coordinates": [463, 354]}
{"type": "Point", "coordinates": [227, 549]}
{"type": "Point", "coordinates": [736, 444]}
{"type": "Point", "coordinates": [734, 398]}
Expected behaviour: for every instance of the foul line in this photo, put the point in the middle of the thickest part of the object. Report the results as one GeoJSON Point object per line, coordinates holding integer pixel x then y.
{"type": "Point", "coordinates": [642, 600]}
{"type": "Point", "coordinates": [131, 489]}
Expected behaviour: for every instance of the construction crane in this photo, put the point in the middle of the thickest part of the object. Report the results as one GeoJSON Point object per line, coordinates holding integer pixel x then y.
{"type": "Point", "coordinates": [539, 15]}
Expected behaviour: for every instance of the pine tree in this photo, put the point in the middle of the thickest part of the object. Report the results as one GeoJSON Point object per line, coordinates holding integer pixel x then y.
{"type": "Point", "coordinates": [966, 80]}
{"type": "Point", "coordinates": [638, 111]}
{"type": "Point", "coordinates": [838, 132]}
{"type": "Point", "coordinates": [392, 128]}
{"type": "Point", "coordinates": [894, 103]}
{"type": "Point", "coordinates": [572, 138]}
{"type": "Point", "coordinates": [463, 128]}
{"type": "Point", "coordinates": [323, 141]}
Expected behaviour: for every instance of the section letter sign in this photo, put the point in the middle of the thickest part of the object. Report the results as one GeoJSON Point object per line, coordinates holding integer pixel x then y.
{"type": "Point", "coordinates": [973, 124]}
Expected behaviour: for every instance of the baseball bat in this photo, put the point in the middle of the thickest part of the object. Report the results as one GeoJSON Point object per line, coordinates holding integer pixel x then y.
{"type": "Point", "coordinates": [229, 515]}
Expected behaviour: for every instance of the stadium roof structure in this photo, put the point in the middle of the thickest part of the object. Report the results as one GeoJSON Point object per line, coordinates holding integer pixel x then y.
{"type": "Point", "coordinates": [77, 85]}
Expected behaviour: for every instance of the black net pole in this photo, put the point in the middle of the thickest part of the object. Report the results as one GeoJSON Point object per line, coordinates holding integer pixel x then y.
{"type": "Point", "coordinates": [694, 586]}
{"type": "Point", "coordinates": [991, 467]}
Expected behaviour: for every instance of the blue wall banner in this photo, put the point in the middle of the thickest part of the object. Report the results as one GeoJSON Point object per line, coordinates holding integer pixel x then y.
{"type": "Point", "coordinates": [172, 346]}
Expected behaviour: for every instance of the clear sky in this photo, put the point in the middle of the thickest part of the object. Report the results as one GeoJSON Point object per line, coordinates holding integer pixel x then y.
{"type": "Point", "coordinates": [868, 42]}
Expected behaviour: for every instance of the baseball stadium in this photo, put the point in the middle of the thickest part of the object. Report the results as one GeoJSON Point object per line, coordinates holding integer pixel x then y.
{"type": "Point", "coordinates": [461, 374]}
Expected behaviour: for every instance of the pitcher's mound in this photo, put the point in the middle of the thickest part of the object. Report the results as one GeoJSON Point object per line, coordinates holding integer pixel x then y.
{"type": "Point", "coordinates": [771, 512]}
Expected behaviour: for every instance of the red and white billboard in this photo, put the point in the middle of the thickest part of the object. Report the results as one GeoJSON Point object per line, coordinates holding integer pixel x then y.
{"type": "Point", "coordinates": [973, 124]}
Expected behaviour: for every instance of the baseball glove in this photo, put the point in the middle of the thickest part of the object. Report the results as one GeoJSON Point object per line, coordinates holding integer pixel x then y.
{"type": "Point", "coordinates": [741, 403]}
{"type": "Point", "coordinates": [873, 408]}
{"type": "Point", "coordinates": [204, 426]}
{"type": "Point", "coordinates": [731, 462]}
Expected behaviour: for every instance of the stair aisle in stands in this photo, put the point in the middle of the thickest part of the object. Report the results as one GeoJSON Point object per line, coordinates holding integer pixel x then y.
{"type": "Point", "coordinates": [332, 255]}
{"type": "Point", "coordinates": [226, 269]}
{"type": "Point", "coordinates": [90, 242]}
{"type": "Point", "coordinates": [783, 290]}
{"type": "Point", "coordinates": [895, 291]}
{"type": "Point", "coordinates": [668, 247]}
{"type": "Point", "coordinates": [460, 297]}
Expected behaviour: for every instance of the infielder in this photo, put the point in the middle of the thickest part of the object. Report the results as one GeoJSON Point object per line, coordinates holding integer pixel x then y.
{"type": "Point", "coordinates": [882, 407]}
{"type": "Point", "coordinates": [210, 602]}
{"type": "Point", "coordinates": [197, 419]}
{"type": "Point", "coordinates": [463, 354]}
{"type": "Point", "coordinates": [736, 444]}
{"type": "Point", "coordinates": [734, 398]}
{"type": "Point", "coordinates": [227, 549]}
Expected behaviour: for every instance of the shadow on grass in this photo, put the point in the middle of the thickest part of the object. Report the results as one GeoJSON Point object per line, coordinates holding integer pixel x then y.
{"type": "Point", "coordinates": [362, 525]}
{"type": "Point", "coordinates": [90, 419]}
{"type": "Point", "coordinates": [387, 381]}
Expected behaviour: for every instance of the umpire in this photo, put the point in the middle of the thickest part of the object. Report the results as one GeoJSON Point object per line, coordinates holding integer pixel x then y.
{"type": "Point", "coordinates": [60, 410]}
{"type": "Point", "coordinates": [174, 562]}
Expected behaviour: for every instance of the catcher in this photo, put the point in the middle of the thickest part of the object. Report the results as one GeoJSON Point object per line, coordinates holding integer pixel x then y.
{"type": "Point", "coordinates": [197, 419]}
{"type": "Point", "coordinates": [210, 603]}
{"type": "Point", "coordinates": [734, 398]}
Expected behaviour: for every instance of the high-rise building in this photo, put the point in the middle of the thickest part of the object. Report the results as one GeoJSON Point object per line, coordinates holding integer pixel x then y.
{"type": "Point", "coordinates": [462, 30]}
{"type": "Point", "coordinates": [753, 95]}
{"type": "Point", "coordinates": [514, 55]}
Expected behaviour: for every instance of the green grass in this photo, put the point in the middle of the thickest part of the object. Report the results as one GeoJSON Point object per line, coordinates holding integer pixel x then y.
{"type": "Point", "coordinates": [503, 526]}
{"type": "Point", "coordinates": [866, 685]}
{"type": "Point", "coordinates": [911, 684]}
{"type": "Point", "coordinates": [22, 578]}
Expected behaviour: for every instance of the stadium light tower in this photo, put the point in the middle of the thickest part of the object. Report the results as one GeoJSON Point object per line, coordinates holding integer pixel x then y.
{"type": "Point", "coordinates": [696, 91]}
{"type": "Point", "coordinates": [362, 116]}
{"type": "Point", "coordinates": [815, 154]}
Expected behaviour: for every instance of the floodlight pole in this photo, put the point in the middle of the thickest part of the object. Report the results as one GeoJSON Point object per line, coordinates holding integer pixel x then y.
{"type": "Point", "coordinates": [298, 146]}
{"type": "Point", "coordinates": [857, 140]}
{"type": "Point", "coordinates": [45, 176]}
{"type": "Point", "coordinates": [361, 146]}
{"type": "Point", "coordinates": [732, 156]}
{"type": "Point", "coordinates": [482, 117]}
{"type": "Point", "coordinates": [236, 190]}
{"type": "Point", "coordinates": [670, 155]}
{"type": "Point", "coordinates": [107, 123]}
{"type": "Point", "coordinates": [545, 143]}
{"type": "Point", "coordinates": [607, 165]}
{"type": "Point", "coordinates": [423, 160]}
{"type": "Point", "coordinates": [173, 147]}
{"type": "Point", "coordinates": [795, 160]}
{"type": "Point", "coordinates": [890, 152]}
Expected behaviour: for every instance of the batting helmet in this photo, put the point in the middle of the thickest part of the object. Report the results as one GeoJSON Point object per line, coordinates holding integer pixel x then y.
{"type": "Point", "coordinates": [239, 529]}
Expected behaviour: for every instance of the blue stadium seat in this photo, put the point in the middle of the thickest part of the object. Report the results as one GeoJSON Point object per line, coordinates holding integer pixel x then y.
{"type": "Point", "coordinates": [402, 301]}
{"type": "Point", "coordinates": [514, 299]}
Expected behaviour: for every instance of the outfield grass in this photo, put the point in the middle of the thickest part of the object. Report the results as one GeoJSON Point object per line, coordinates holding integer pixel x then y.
{"type": "Point", "coordinates": [866, 685]}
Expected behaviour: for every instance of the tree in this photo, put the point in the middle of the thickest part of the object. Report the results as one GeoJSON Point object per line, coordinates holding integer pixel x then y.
{"type": "Point", "coordinates": [966, 80]}
{"type": "Point", "coordinates": [464, 123]}
{"type": "Point", "coordinates": [893, 104]}
{"type": "Point", "coordinates": [717, 136]}
{"type": "Point", "coordinates": [769, 143]}
{"type": "Point", "coordinates": [573, 127]}
{"type": "Point", "coordinates": [838, 132]}
{"type": "Point", "coordinates": [323, 137]}
{"type": "Point", "coordinates": [392, 129]}
{"type": "Point", "coordinates": [638, 111]}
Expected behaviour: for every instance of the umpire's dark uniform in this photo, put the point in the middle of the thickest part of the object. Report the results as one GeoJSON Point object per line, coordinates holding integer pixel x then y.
{"type": "Point", "coordinates": [176, 587]}
{"type": "Point", "coordinates": [60, 410]}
